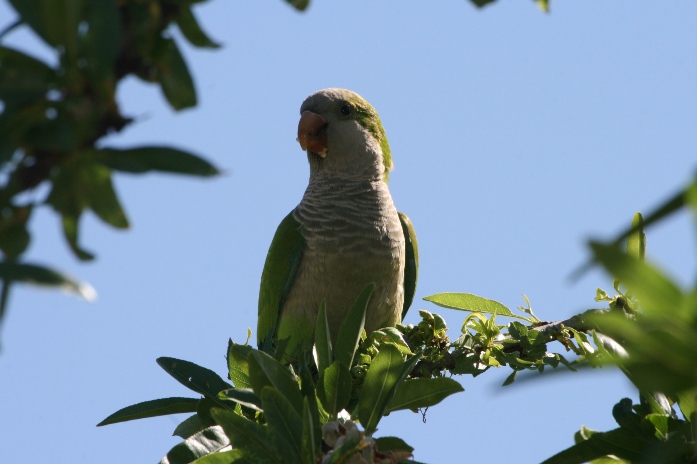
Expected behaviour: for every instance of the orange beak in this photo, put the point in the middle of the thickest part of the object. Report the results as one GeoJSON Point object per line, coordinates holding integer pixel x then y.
{"type": "Point", "coordinates": [311, 134]}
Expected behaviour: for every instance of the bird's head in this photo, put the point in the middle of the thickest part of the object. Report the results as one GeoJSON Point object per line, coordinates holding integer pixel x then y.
{"type": "Point", "coordinates": [343, 135]}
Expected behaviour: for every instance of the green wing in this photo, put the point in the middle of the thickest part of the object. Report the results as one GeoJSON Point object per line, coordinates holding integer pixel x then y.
{"type": "Point", "coordinates": [411, 265]}
{"type": "Point", "coordinates": [281, 265]}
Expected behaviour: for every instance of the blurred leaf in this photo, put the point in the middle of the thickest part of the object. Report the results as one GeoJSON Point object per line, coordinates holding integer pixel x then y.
{"type": "Point", "coordinates": [379, 386]}
{"type": "Point", "coordinates": [194, 377]}
{"type": "Point", "coordinates": [422, 393]}
{"type": "Point", "coordinates": [334, 388]}
{"type": "Point", "coordinates": [225, 457]}
{"type": "Point", "coordinates": [352, 328]}
{"type": "Point", "coordinates": [192, 31]}
{"type": "Point", "coordinates": [207, 441]}
{"type": "Point", "coordinates": [323, 342]}
{"type": "Point", "coordinates": [481, 3]}
{"type": "Point", "coordinates": [687, 402]}
{"type": "Point", "coordinates": [653, 289]}
{"type": "Point", "coordinates": [70, 230]}
{"type": "Point", "coordinates": [55, 21]}
{"type": "Point", "coordinates": [23, 78]}
{"type": "Point", "coordinates": [14, 236]}
{"type": "Point", "coordinates": [619, 442]}
{"type": "Point", "coordinates": [385, 444]}
{"type": "Point", "coordinates": [173, 75]}
{"type": "Point", "coordinates": [266, 371]}
{"type": "Point", "coordinates": [474, 303]}
{"type": "Point", "coordinates": [145, 159]}
{"type": "Point", "coordinates": [38, 275]}
{"type": "Point", "coordinates": [636, 242]}
{"type": "Point", "coordinates": [244, 396]}
{"type": "Point", "coordinates": [153, 408]}
{"type": "Point", "coordinates": [238, 366]}
{"type": "Point", "coordinates": [285, 424]}
{"type": "Point", "coordinates": [14, 126]}
{"type": "Point", "coordinates": [246, 436]}
{"type": "Point", "coordinates": [102, 42]}
{"type": "Point", "coordinates": [299, 5]}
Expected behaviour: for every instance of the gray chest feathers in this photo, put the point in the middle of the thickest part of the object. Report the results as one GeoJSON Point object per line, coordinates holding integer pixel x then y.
{"type": "Point", "coordinates": [353, 237]}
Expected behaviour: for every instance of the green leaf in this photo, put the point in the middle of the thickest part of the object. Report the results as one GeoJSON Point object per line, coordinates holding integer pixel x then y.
{"type": "Point", "coordinates": [266, 371]}
{"type": "Point", "coordinates": [192, 31]}
{"type": "Point", "coordinates": [246, 436]}
{"type": "Point", "coordinates": [225, 457]}
{"type": "Point", "coordinates": [334, 388]}
{"type": "Point", "coordinates": [238, 366]}
{"type": "Point", "coordinates": [636, 242]}
{"type": "Point", "coordinates": [386, 444]}
{"type": "Point", "coordinates": [102, 43]}
{"type": "Point", "coordinates": [473, 303]}
{"type": "Point", "coordinates": [56, 21]}
{"type": "Point", "coordinates": [284, 423]}
{"type": "Point", "coordinates": [153, 408]}
{"type": "Point", "coordinates": [173, 75]}
{"type": "Point", "coordinates": [194, 377]}
{"type": "Point", "coordinates": [323, 341]}
{"type": "Point", "coordinates": [379, 386]}
{"type": "Point", "coordinates": [393, 336]}
{"type": "Point", "coordinates": [687, 401]}
{"type": "Point", "coordinates": [352, 328]}
{"type": "Point", "coordinates": [655, 291]}
{"type": "Point", "coordinates": [38, 275]}
{"type": "Point", "coordinates": [309, 444]}
{"type": "Point", "coordinates": [244, 396]}
{"type": "Point", "coordinates": [70, 224]}
{"type": "Point", "coordinates": [619, 442]}
{"type": "Point", "coordinates": [200, 444]}
{"type": "Point", "coordinates": [190, 426]}
{"type": "Point", "coordinates": [299, 5]}
{"type": "Point", "coordinates": [23, 78]}
{"type": "Point", "coordinates": [422, 393]}
{"type": "Point", "coordinates": [163, 159]}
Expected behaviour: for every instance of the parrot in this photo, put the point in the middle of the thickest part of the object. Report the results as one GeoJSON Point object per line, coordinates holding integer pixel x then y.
{"type": "Point", "coordinates": [343, 235]}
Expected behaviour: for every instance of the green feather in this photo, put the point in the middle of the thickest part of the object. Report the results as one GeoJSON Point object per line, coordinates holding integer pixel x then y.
{"type": "Point", "coordinates": [280, 267]}
{"type": "Point", "coordinates": [411, 263]}
{"type": "Point", "coordinates": [369, 119]}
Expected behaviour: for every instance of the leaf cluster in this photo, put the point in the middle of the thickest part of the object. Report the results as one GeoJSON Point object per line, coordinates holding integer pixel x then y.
{"type": "Point", "coordinates": [54, 115]}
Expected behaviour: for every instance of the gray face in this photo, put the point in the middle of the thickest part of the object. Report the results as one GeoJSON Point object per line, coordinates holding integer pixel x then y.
{"type": "Point", "coordinates": [352, 151]}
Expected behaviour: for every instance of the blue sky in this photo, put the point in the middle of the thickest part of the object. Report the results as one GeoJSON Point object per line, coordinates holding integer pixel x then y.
{"type": "Point", "coordinates": [516, 136]}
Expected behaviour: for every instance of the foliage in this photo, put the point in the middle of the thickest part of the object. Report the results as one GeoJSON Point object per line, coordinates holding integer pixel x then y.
{"type": "Point", "coordinates": [53, 117]}
{"type": "Point", "coordinates": [307, 409]}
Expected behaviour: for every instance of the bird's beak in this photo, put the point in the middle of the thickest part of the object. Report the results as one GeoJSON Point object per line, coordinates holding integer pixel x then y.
{"type": "Point", "coordinates": [312, 135]}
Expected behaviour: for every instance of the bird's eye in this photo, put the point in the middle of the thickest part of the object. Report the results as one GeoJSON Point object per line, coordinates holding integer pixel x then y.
{"type": "Point", "coordinates": [346, 110]}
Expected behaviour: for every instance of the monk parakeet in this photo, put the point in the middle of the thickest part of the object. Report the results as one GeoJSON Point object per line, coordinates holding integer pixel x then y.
{"type": "Point", "coordinates": [344, 234]}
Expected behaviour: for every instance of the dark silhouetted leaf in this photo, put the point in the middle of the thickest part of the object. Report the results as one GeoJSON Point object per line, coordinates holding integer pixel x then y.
{"type": "Point", "coordinates": [194, 377]}
{"type": "Point", "coordinates": [153, 408]}
{"type": "Point", "coordinates": [173, 74]}
{"type": "Point", "coordinates": [38, 275]}
{"type": "Point", "coordinates": [191, 29]}
{"type": "Point", "coordinates": [163, 159]}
